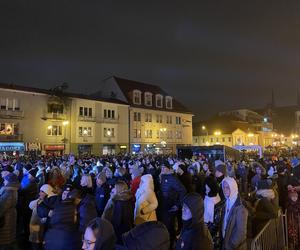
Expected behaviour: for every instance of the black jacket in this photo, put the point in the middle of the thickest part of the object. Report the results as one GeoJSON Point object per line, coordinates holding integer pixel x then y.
{"type": "Point", "coordinates": [171, 192]}
{"type": "Point", "coordinates": [147, 236]}
{"type": "Point", "coordinates": [194, 235]}
{"type": "Point", "coordinates": [102, 195]}
{"type": "Point", "coordinates": [87, 211]}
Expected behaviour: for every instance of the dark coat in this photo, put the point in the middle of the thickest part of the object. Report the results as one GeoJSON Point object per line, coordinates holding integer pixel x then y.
{"type": "Point", "coordinates": [187, 181]}
{"type": "Point", "coordinates": [194, 235]}
{"type": "Point", "coordinates": [63, 231]}
{"type": "Point", "coordinates": [147, 236]}
{"type": "Point", "coordinates": [236, 230]}
{"type": "Point", "coordinates": [102, 195]}
{"type": "Point", "coordinates": [171, 192]}
{"type": "Point", "coordinates": [8, 213]}
{"type": "Point", "coordinates": [87, 211]}
{"type": "Point", "coordinates": [120, 212]}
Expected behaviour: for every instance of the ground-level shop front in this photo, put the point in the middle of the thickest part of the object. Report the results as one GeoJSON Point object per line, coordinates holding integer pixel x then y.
{"type": "Point", "coordinates": [12, 148]}
{"type": "Point", "coordinates": [98, 149]}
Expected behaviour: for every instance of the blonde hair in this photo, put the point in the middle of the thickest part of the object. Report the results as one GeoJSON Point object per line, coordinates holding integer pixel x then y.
{"type": "Point", "coordinates": [86, 180]}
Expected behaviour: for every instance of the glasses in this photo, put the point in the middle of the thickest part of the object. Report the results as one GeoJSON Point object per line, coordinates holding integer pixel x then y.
{"type": "Point", "coordinates": [88, 243]}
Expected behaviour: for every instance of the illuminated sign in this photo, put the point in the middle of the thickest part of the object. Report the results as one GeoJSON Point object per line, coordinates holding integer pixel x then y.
{"type": "Point", "coordinates": [11, 146]}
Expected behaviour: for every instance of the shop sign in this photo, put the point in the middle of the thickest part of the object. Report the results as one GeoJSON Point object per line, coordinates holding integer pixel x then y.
{"type": "Point", "coordinates": [136, 147]}
{"type": "Point", "coordinates": [54, 147]}
{"type": "Point", "coordinates": [123, 146]}
{"type": "Point", "coordinates": [13, 146]}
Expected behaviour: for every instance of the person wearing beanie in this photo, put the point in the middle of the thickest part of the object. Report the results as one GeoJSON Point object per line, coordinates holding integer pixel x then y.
{"type": "Point", "coordinates": [27, 193]}
{"type": "Point", "coordinates": [8, 213]}
{"type": "Point", "coordinates": [194, 234]}
{"type": "Point", "coordinates": [99, 235]}
{"type": "Point", "coordinates": [102, 193]}
{"type": "Point", "coordinates": [266, 205]}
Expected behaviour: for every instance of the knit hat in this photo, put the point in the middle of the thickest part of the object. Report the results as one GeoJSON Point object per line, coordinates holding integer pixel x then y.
{"type": "Point", "coordinates": [47, 189]}
{"type": "Point", "coordinates": [221, 168]}
{"type": "Point", "coordinates": [33, 172]}
{"type": "Point", "coordinates": [11, 178]}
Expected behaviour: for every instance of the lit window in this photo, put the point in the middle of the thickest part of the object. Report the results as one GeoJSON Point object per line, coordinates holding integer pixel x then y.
{"type": "Point", "coordinates": [159, 101]}
{"type": "Point", "coordinates": [137, 97]}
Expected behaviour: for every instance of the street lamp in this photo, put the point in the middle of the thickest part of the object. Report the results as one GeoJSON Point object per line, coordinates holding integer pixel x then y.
{"type": "Point", "coordinates": [217, 132]}
{"type": "Point", "coordinates": [65, 123]}
{"type": "Point", "coordinates": [85, 132]}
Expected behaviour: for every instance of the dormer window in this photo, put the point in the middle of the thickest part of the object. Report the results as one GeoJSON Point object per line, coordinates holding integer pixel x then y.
{"type": "Point", "coordinates": [137, 97]}
{"type": "Point", "coordinates": [169, 102]}
{"type": "Point", "coordinates": [148, 99]}
{"type": "Point", "coordinates": [159, 101]}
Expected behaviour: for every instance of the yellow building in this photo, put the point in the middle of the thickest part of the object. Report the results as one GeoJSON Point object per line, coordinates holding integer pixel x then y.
{"type": "Point", "coordinates": [157, 121]}
{"type": "Point", "coordinates": [35, 120]}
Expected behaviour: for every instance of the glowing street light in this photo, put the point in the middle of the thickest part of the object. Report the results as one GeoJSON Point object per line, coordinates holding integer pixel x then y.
{"type": "Point", "coordinates": [217, 133]}
{"type": "Point", "coordinates": [203, 127]}
{"type": "Point", "coordinates": [65, 123]}
{"type": "Point", "coordinates": [49, 127]}
{"type": "Point", "coordinates": [250, 135]}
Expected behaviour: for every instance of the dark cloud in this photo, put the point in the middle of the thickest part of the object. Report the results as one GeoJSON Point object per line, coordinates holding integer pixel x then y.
{"type": "Point", "coordinates": [211, 55]}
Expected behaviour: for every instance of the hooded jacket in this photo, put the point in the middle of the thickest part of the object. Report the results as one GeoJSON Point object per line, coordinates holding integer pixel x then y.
{"type": "Point", "coordinates": [195, 235]}
{"type": "Point", "coordinates": [146, 201]}
{"type": "Point", "coordinates": [234, 224]}
{"type": "Point", "coordinates": [8, 213]}
{"type": "Point", "coordinates": [147, 236]}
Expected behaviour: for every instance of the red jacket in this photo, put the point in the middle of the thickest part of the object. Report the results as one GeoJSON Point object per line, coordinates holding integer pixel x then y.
{"type": "Point", "coordinates": [134, 185]}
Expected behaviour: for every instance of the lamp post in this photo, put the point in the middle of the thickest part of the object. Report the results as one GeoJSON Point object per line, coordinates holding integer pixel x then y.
{"type": "Point", "coordinates": [65, 124]}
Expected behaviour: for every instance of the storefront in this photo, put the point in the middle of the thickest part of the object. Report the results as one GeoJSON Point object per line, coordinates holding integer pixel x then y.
{"type": "Point", "coordinates": [33, 148]}
{"type": "Point", "coordinates": [12, 148]}
{"type": "Point", "coordinates": [123, 149]}
{"type": "Point", "coordinates": [109, 149]}
{"type": "Point", "coordinates": [55, 150]}
{"type": "Point", "coordinates": [84, 149]}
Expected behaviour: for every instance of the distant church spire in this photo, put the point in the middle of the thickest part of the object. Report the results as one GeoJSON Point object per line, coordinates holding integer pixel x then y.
{"type": "Point", "coordinates": [273, 104]}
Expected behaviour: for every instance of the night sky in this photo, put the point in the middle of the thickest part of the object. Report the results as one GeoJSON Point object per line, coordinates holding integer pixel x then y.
{"type": "Point", "coordinates": [212, 57]}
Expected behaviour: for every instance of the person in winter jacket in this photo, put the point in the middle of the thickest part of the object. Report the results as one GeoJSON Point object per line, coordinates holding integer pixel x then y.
{"type": "Point", "coordinates": [99, 235]}
{"type": "Point", "coordinates": [260, 171]}
{"type": "Point", "coordinates": [136, 179]}
{"type": "Point", "coordinates": [102, 193]}
{"type": "Point", "coordinates": [63, 227]}
{"type": "Point", "coordinates": [8, 213]}
{"type": "Point", "coordinates": [119, 210]}
{"type": "Point", "coordinates": [220, 173]}
{"type": "Point", "coordinates": [293, 219]}
{"type": "Point", "coordinates": [234, 218]}
{"type": "Point", "coordinates": [86, 207]}
{"type": "Point", "coordinates": [211, 198]}
{"type": "Point", "coordinates": [146, 201]}
{"type": "Point", "coordinates": [27, 193]}
{"type": "Point", "coordinates": [147, 236]}
{"type": "Point", "coordinates": [36, 226]}
{"type": "Point", "coordinates": [185, 177]}
{"type": "Point", "coordinates": [265, 205]}
{"type": "Point", "coordinates": [194, 234]}
{"type": "Point", "coordinates": [44, 208]}
{"type": "Point", "coordinates": [171, 194]}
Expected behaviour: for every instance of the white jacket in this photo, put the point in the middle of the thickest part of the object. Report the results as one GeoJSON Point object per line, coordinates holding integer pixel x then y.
{"type": "Point", "coordinates": [145, 200]}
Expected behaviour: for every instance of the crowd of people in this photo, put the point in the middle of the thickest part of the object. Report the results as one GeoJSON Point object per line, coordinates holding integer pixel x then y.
{"type": "Point", "coordinates": [143, 201]}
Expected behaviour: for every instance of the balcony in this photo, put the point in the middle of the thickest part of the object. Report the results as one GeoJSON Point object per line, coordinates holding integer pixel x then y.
{"type": "Point", "coordinates": [54, 116]}
{"type": "Point", "coordinates": [6, 138]}
{"type": "Point", "coordinates": [11, 114]}
{"type": "Point", "coordinates": [86, 118]}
